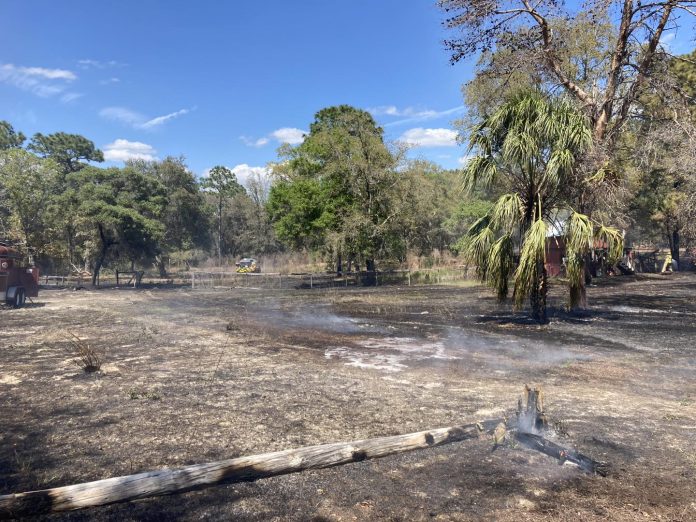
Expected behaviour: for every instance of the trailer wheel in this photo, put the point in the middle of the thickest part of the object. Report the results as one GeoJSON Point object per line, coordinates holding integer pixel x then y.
{"type": "Point", "coordinates": [20, 298]}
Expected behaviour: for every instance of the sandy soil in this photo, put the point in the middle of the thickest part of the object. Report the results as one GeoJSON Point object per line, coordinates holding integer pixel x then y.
{"type": "Point", "coordinates": [193, 376]}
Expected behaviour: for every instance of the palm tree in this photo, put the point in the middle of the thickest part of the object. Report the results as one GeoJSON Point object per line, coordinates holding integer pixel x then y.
{"type": "Point", "coordinates": [529, 147]}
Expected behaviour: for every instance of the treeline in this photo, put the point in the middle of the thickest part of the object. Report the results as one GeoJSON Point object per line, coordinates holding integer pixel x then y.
{"type": "Point", "coordinates": [68, 215]}
{"type": "Point", "coordinates": [343, 195]}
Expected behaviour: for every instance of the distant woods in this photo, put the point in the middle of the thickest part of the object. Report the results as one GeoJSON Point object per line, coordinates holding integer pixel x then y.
{"type": "Point", "coordinates": [344, 196]}
{"type": "Point", "coordinates": [68, 214]}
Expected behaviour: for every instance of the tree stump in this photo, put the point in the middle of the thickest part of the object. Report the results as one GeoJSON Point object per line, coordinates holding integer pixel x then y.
{"type": "Point", "coordinates": [530, 412]}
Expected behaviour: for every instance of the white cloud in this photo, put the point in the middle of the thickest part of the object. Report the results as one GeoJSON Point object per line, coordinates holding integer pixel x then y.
{"type": "Point", "coordinates": [412, 114]}
{"type": "Point", "coordinates": [123, 115]}
{"type": "Point", "coordinates": [159, 120]}
{"type": "Point", "coordinates": [251, 142]}
{"type": "Point", "coordinates": [667, 39]}
{"type": "Point", "coordinates": [392, 110]}
{"type": "Point", "coordinates": [38, 80]}
{"type": "Point", "coordinates": [244, 173]}
{"type": "Point", "coordinates": [96, 64]}
{"type": "Point", "coordinates": [136, 119]}
{"type": "Point", "coordinates": [289, 135]}
{"type": "Point", "coordinates": [465, 159]}
{"type": "Point", "coordinates": [110, 80]}
{"type": "Point", "coordinates": [123, 150]}
{"type": "Point", "coordinates": [70, 97]}
{"type": "Point", "coordinates": [420, 137]}
{"type": "Point", "coordinates": [49, 74]}
{"type": "Point", "coordinates": [388, 110]}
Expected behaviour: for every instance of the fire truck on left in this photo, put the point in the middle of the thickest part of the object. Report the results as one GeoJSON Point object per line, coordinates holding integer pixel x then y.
{"type": "Point", "coordinates": [17, 280]}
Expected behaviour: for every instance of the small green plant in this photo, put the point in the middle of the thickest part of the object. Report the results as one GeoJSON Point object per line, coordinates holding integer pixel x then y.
{"type": "Point", "coordinates": [84, 355]}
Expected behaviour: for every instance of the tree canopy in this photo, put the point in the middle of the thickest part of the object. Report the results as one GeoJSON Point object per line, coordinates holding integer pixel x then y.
{"type": "Point", "coordinates": [9, 138]}
{"type": "Point", "coordinates": [67, 150]}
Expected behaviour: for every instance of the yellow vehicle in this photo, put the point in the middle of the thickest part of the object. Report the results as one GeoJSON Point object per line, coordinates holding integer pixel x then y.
{"type": "Point", "coordinates": [247, 265]}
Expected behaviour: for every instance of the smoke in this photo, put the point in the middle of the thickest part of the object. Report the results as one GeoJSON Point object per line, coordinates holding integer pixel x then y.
{"type": "Point", "coordinates": [320, 320]}
{"type": "Point", "coordinates": [390, 354]}
{"type": "Point", "coordinates": [363, 344]}
{"type": "Point", "coordinates": [497, 351]}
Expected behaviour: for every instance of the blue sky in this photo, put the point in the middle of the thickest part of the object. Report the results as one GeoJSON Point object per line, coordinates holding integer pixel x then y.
{"type": "Point", "coordinates": [226, 82]}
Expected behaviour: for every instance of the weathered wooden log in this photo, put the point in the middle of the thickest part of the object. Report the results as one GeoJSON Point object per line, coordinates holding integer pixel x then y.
{"type": "Point", "coordinates": [557, 451]}
{"type": "Point", "coordinates": [167, 481]}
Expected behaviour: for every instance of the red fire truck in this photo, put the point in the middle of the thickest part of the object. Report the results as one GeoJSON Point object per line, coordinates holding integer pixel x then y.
{"type": "Point", "coordinates": [17, 280]}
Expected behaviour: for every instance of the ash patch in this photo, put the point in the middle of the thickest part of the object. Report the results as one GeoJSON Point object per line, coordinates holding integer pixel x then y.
{"type": "Point", "coordinates": [389, 354]}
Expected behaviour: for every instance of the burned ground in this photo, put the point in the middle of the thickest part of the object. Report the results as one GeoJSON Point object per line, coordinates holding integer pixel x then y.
{"type": "Point", "coordinates": [193, 376]}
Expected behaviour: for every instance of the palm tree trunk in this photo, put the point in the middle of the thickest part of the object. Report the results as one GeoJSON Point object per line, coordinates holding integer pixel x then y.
{"type": "Point", "coordinates": [538, 295]}
{"type": "Point", "coordinates": [578, 289]}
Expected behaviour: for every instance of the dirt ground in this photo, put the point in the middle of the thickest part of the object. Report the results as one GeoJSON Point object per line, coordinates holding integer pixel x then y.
{"type": "Point", "coordinates": [192, 376]}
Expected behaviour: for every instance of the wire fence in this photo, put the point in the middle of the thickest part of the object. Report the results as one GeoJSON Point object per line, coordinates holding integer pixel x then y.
{"type": "Point", "coordinates": [225, 279]}
{"type": "Point", "coordinates": [200, 279]}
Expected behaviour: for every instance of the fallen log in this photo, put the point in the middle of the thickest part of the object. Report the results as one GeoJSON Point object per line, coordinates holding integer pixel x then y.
{"type": "Point", "coordinates": [539, 443]}
{"type": "Point", "coordinates": [243, 469]}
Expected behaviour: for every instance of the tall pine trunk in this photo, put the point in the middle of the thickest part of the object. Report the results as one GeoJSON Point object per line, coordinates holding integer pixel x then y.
{"type": "Point", "coordinates": [105, 244]}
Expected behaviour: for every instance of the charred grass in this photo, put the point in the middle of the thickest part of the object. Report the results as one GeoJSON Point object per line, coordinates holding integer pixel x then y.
{"type": "Point", "coordinates": [198, 376]}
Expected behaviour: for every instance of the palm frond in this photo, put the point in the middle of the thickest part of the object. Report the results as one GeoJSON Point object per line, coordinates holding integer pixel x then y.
{"type": "Point", "coordinates": [500, 265]}
{"type": "Point", "coordinates": [477, 249]}
{"type": "Point", "coordinates": [579, 234]}
{"type": "Point", "coordinates": [507, 212]}
{"type": "Point", "coordinates": [613, 239]}
{"type": "Point", "coordinates": [560, 165]}
{"type": "Point", "coordinates": [532, 255]}
{"type": "Point", "coordinates": [480, 171]}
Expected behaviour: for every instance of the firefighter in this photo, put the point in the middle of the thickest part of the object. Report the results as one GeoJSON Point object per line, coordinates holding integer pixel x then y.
{"type": "Point", "coordinates": [667, 266]}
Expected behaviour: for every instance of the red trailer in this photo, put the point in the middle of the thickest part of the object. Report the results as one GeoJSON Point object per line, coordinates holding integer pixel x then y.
{"type": "Point", "coordinates": [17, 279]}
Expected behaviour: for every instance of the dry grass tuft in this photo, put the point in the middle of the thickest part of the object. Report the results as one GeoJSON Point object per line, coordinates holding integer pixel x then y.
{"type": "Point", "coordinates": [86, 357]}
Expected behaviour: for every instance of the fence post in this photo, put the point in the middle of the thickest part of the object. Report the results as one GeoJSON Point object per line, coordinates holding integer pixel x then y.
{"type": "Point", "coordinates": [311, 282]}
{"type": "Point", "coordinates": [193, 279]}
{"type": "Point", "coordinates": [409, 277]}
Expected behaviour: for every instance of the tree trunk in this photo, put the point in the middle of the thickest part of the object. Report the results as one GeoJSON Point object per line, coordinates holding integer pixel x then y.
{"type": "Point", "coordinates": [370, 275]}
{"type": "Point", "coordinates": [578, 291]}
{"type": "Point", "coordinates": [537, 297]}
{"type": "Point", "coordinates": [98, 266]}
{"type": "Point", "coordinates": [161, 266]}
{"type": "Point", "coordinates": [339, 264]}
{"type": "Point", "coordinates": [539, 443]}
{"type": "Point", "coordinates": [219, 231]}
{"type": "Point", "coordinates": [70, 239]}
{"type": "Point", "coordinates": [105, 243]}
{"type": "Point", "coordinates": [674, 244]}
{"type": "Point", "coordinates": [242, 469]}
